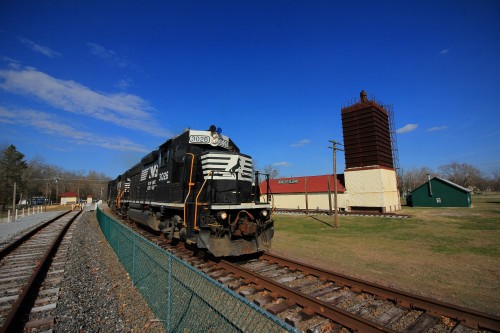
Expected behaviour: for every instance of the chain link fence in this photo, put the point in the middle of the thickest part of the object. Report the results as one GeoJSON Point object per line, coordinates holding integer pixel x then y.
{"type": "Point", "coordinates": [183, 298]}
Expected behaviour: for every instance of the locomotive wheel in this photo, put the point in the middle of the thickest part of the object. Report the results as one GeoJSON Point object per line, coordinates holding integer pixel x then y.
{"type": "Point", "coordinates": [201, 253]}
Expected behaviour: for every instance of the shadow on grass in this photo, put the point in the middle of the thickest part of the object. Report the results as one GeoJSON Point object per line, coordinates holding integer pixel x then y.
{"type": "Point", "coordinates": [317, 219]}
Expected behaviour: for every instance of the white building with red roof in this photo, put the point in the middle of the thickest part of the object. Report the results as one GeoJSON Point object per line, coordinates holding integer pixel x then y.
{"type": "Point", "coordinates": [68, 198]}
{"type": "Point", "coordinates": [305, 193]}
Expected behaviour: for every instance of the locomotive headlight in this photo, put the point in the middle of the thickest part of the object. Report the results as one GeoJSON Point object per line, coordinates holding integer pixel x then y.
{"type": "Point", "coordinates": [264, 213]}
{"type": "Point", "coordinates": [222, 215]}
{"type": "Point", "coordinates": [215, 138]}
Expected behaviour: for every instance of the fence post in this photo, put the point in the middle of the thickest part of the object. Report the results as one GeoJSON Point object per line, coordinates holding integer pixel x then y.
{"type": "Point", "coordinates": [118, 241]}
{"type": "Point", "coordinates": [169, 294]}
{"type": "Point", "coordinates": [133, 262]}
{"type": "Point", "coordinates": [8, 215]}
{"type": "Point", "coordinates": [16, 214]}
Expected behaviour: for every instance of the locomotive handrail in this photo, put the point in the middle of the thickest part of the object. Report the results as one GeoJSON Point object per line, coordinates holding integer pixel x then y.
{"type": "Point", "coordinates": [119, 197]}
{"type": "Point", "coordinates": [195, 225]}
{"type": "Point", "coordinates": [190, 185]}
{"type": "Point", "coordinates": [238, 188]}
{"type": "Point", "coordinates": [256, 188]}
{"type": "Point", "coordinates": [210, 193]}
{"type": "Point", "coordinates": [258, 193]}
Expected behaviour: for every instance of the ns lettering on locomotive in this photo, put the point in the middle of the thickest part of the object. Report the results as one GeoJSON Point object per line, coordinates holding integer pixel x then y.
{"type": "Point", "coordinates": [198, 188]}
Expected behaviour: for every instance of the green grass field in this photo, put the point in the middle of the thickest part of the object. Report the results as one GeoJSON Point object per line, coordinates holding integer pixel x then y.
{"type": "Point", "coordinates": [450, 254]}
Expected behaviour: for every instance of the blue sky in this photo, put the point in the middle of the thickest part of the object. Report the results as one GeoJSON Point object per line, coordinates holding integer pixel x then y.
{"type": "Point", "coordinates": [95, 85]}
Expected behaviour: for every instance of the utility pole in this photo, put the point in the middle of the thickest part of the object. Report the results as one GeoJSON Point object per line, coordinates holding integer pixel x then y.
{"type": "Point", "coordinates": [14, 199]}
{"type": "Point", "coordinates": [335, 148]}
{"type": "Point", "coordinates": [57, 189]}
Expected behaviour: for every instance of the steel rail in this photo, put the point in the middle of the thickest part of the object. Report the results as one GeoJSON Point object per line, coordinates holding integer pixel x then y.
{"type": "Point", "coordinates": [326, 212]}
{"type": "Point", "coordinates": [308, 303]}
{"type": "Point", "coordinates": [470, 318]}
{"type": "Point", "coordinates": [14, 318]}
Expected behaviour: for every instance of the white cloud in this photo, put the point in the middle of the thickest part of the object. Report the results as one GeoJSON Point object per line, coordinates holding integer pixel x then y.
{"type": "Point", "coordinates": [125, 110]}
{"type": "Point", "coordinates": [284, 164]}
{"type": "Point", "coordinates": [109, 55]}
{"type": "Point", "coordinates": [301, 143]}
{"type": "Point", "coordinates": [51, 125]}
{"type": "Point", "coordinates": [101, 51]}
{"type": "Point", "coordinates": [12, 62]}
{"type": "Point", "coordinates": [46, 51]}
{"type": "Point", "coordinates": [407, 128]}
{"type": "Point", "coordinates": [489, 134]}
{"type": "Point", "coordinates": [124, 83]}
{"type": "Point", "coordinates": [437, 128]}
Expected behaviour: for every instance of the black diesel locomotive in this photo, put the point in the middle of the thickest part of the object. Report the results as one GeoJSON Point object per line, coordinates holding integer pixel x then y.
{"type": "Point", "coordinates": [199, 188]}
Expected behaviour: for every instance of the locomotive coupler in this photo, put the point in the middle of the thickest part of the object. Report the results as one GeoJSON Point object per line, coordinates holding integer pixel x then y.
{"type": "Point", "coordinates": [246, 227]}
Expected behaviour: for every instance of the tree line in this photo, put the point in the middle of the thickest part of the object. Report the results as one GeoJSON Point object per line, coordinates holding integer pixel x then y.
{"type": "Point", "coordinates": [463, 174]}
{"type": "Point", "coordinates": [35, 178]}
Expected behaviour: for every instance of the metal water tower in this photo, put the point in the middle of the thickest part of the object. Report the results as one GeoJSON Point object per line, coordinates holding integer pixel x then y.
{"type": "Point", "coordinates": [367, 136]}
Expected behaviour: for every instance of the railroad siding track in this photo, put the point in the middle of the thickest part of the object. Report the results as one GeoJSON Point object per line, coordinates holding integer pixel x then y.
{"type": "Point", "coordinates": [41, 317]}
{"type": "Point", "coordinates": [285, 211]}
{"type": "Point", "coordinates": [23, 266]}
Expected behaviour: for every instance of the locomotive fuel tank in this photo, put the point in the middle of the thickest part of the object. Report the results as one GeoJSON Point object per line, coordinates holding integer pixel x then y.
{"type": "Point", "coordinates": [146, 218]}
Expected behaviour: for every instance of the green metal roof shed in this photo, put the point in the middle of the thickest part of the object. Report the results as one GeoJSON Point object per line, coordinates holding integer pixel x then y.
{"type": "Point", "coordinates": [439, 192]}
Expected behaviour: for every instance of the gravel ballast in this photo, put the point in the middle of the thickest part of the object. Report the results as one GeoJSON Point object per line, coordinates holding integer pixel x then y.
{"type": "Point", "coordinates": [97, 294]}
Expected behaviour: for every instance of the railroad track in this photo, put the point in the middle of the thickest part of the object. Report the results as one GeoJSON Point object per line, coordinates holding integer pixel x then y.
{"type": "Point", "coordinates": [315, 300]}
{"type": "Point", "coordinates": [285, 211]}
{"type": "Point", "coordinates": [32, 267]}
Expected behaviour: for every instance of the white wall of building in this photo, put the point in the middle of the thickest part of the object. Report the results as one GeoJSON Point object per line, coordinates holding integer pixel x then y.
{"type": "Point", "coordinates": [68, 200]}
{"type": "Point", "coordinates": [314, 201]}
{"type": "Point", "coordinates": [375, 187]}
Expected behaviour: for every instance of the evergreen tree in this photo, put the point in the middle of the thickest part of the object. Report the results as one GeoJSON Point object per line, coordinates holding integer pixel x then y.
{"type": "Point", "coordinates": [12, 165]}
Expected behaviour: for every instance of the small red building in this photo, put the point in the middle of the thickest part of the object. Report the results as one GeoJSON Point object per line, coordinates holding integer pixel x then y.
{"type": "Point", "coordinates": [68, 198]}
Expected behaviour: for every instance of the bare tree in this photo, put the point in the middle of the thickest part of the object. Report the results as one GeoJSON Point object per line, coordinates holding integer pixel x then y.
{"type": "Point", "coordinates": [462, 174]}
{"type": "Point", "coordinates": [36, 178]}
{"type": "Point", "coordinates": [495, 180]}
{"type": "Point", "coordinates": [413, 178]}
{"type": "Point", "coordinates": [272, 171]}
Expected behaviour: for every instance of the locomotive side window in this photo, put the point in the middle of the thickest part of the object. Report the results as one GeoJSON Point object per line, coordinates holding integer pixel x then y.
{"type": "Point", "coordinates": [178, 163]}
{"type": "Point", "coordinates": [165, 156]}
